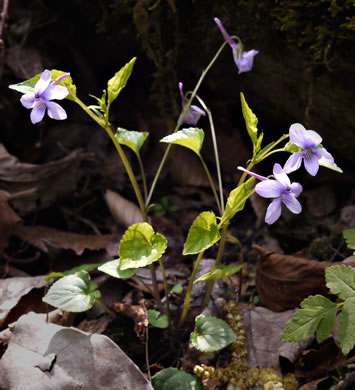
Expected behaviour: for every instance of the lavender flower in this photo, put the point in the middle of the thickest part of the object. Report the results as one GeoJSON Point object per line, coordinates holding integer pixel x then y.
{"type": "Point", "coordinates": [312, 153]}
{"type": "Point", "coordinates": [40, 99]}
{"type": "Point", "coordinates": [193, 114]}
{"type": "Point", "coordinates": [243, 59]}
{"type": "Point", "coordinates": [281, 189]}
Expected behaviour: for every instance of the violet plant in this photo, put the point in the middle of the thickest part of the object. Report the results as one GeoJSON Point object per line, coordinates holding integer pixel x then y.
{"type": "Point", "coordinates": [141, 246]}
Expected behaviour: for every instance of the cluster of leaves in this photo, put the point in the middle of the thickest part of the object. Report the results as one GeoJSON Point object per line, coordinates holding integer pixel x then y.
{"type": "Point", "coordinates": [318, 313]}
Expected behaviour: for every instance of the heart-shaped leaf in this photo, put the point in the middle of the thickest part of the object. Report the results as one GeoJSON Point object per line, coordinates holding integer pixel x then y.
{"type": "Point", "coordinates": [73, 293]}
{"type": "Point", "coordinates": [237, 199]}
{"type": "Point", "coordinates": [191, 138]}
{"type": "Point", "coordinates": [140, 246]}
{"type": "Point", "coordinates": [112, 268]}
{"type": "Point", "coordinates": [173, 379]}
{"type": "Point", "coordinates": [212, 334]}
{"type": "Point", "coordinates": [219, 272]}
{"type": "Point", "coordinates": [28, 86]}
{"type": "Point", "coordinates": [119, 81]}
{"type": "Point", "coordinates": [157, 319]}
{"type": "Point", "coordinates": [203, 233]}
{"type": "Point", "coordinates": [133, 139]}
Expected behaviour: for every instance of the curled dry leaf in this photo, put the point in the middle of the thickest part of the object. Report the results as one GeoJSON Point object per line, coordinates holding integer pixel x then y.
{"type": "Point", "coordinates": [8, 220]}
{"type": "Point", "coordinates": [43, 238]}
{"type": "Point", "coordinates": [125, 212]}
{"type": "Point", "coordinates": [137, 313]}
{"type": "Point", "coordinates": [283, 281]}
{"type": "Point", "coordinates": [13, 293]}
{"type": "Point", "coordinates": [51, 181]}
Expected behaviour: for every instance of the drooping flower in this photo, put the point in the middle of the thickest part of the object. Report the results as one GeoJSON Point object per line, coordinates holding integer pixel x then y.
{"type": "Point", "coordinates": [193, 114]}
{"type": "Point", "coordinates": [243, 59]}
{"type": "Point", "coordinates": [312, 153]}
{"type": "Point", "coordinates": [281, 189]}
{"type": "Point", "coordinates": [40, 99]}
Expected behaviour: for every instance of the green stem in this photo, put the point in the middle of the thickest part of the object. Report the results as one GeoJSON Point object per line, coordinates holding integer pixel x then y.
{"type": "Point", "coordinates": [216, 154]}
{"type": "Point", "coordinates": [104, 307]}
{"type": "Point", "coordinates": [217, 263]}
{"type": "Point", "coordinates": [189, 289]}
{"type": "Point", "coordinates": [166, 289]}
{"type": "Point", "coordinates": [186, 108]}
{"type": "Point", "coordinates": [144, 179]}
{"type": "Point", "coordinates": [211, 184]}
{"type": "Point", "coordinates": [267, 154]}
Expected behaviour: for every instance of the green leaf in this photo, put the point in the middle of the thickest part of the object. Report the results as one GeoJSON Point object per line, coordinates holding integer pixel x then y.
{"type": "Point", "coordinates": [346, 329]}
{"type": "Point", "coordinates": [82, 267]}
{"type": "Point", "coordinates": [140, 246]}
{"type": "Point", "coordinates": [237, 199]}
{"type": "Point", "coordinates": [251, 122]}
{"type": "Point", "coordinates": [349, 237]}
{"type": "Point", "coordinates": [341, 280]}
{"type": "Point", "coordinates": [73, 293]}
{"type": "Point", "coordinates": [203, 234]}
{"type": "Point", "coordinates": [178, 289]}
{"type": "Point", "coordinates": [133, 139]}
{"type": "Point", "coordinates": [119, 81]}
{"type": "Point", "coordinates": [157, 319]}
{"type": "Point", "coordinates": [219, 272]}
{"type": "Point", "coordinates": [191, 138]}
{"type": "Point", "coordinates": [291, 147]}
{"type": "Point", "coordinates": [212, 334]}
{"type": "Point", "coordinates": [317, 313]}
{"type": "Point", "coordinates": [112, 268]}
{"type": "Point", "coordinates": [173, 379]}
{"type": "Point", "coordinates": [28, 86]}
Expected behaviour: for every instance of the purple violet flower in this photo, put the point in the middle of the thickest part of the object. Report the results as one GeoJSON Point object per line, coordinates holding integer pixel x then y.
{"type": "Point", "coordinates": [243, 59]}
{"type": "Point", "coordinates": [193, 113]}
{"type": "Point", "coordinates": [40, 99]}
{"type": "Point", "coordinates": [312, 153]}
{"type": "Point", "coordinates": [281, 189]}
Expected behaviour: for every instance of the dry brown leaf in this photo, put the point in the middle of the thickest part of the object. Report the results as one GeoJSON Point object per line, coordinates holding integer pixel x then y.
{"type": "Point", "coordinates": [264, 329]}
{"type": "Point", "coordinates": [43, 238]}
{"type": "Point", "coordinates": [8, 221]}
{"type": "Point", "coordinates": [314, 384]}
{"type": "Point", "coordinates": [125, 212]}
{"type": "Point", "coordinates": [283, 281]}
{"type": "Point", "coordinates": [16, 298]}
{"type": "Point", "coordinates": [137, 313]}
{"type": "Point", "coordinates": [52, 180]}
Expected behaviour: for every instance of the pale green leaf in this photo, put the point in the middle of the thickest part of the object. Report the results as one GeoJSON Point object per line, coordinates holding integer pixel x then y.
{"type": "Point", "coordinates": [219, 272]}
{"type": "Point", "coordinates": [112, 268]}
{"type": "Point", "coordinates": [212, 334]}
{"type": "Point", "coordinates": [191, 138]}
{"type": "Point", "coordinates": [133, 139]}
{"type": "Point", "coordinates": [203, 233]}
{"type": "Point", "coordinates": [140, 246]}
{"type": "Point", "coordinates": [317, 313]}
{"type": "Point", "coordinates": [237, 199]}
{"type": "Point", "coordinates": [251, 122]}
{"type": "Point", "coordinates": [119, 81]}
{"type": "Point", "coordinates": [178, 289]}
{"type": "Point", "coordinates": [341, 280]}
{"type": "Point", "coordinates": [82, 267]}
{"type": "Point", "coordinates": [73, 293]}
{"type": "Point", "coordinates": [291, 147]}
{"type": "Point", "coordinates": [173, 379]}
{"type": "Point", "coordinates": [349, 237]}
{"type": "Point", "coordinates": [346, 329]}
{"type": "Point", "coordinates": [157, 319]}
{"type": "Point", "coordinates": [28, 86]}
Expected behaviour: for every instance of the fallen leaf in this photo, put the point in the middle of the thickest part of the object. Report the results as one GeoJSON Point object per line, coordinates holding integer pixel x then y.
{"type": "Point", "coordinates": [283, 281]}
{"type": "Point", "coordinates": [8, 221]}
{"type": "Point", "coordinates": [12, 290]}
{"type": "Point", "coordinates": [51, 181]}
{"type": "Point", "coordinates": [264, 329]}
{"type": "Point", "coordinates": [125, 212]}
{"type": "Point", "coordinates": [50, 356]}
{"type": "Point", "coordinates": [43, 238]}
{"type": "Point", "coordinates": [137, 313]}
{"type": "Point", "coordinates": [313, 385]}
